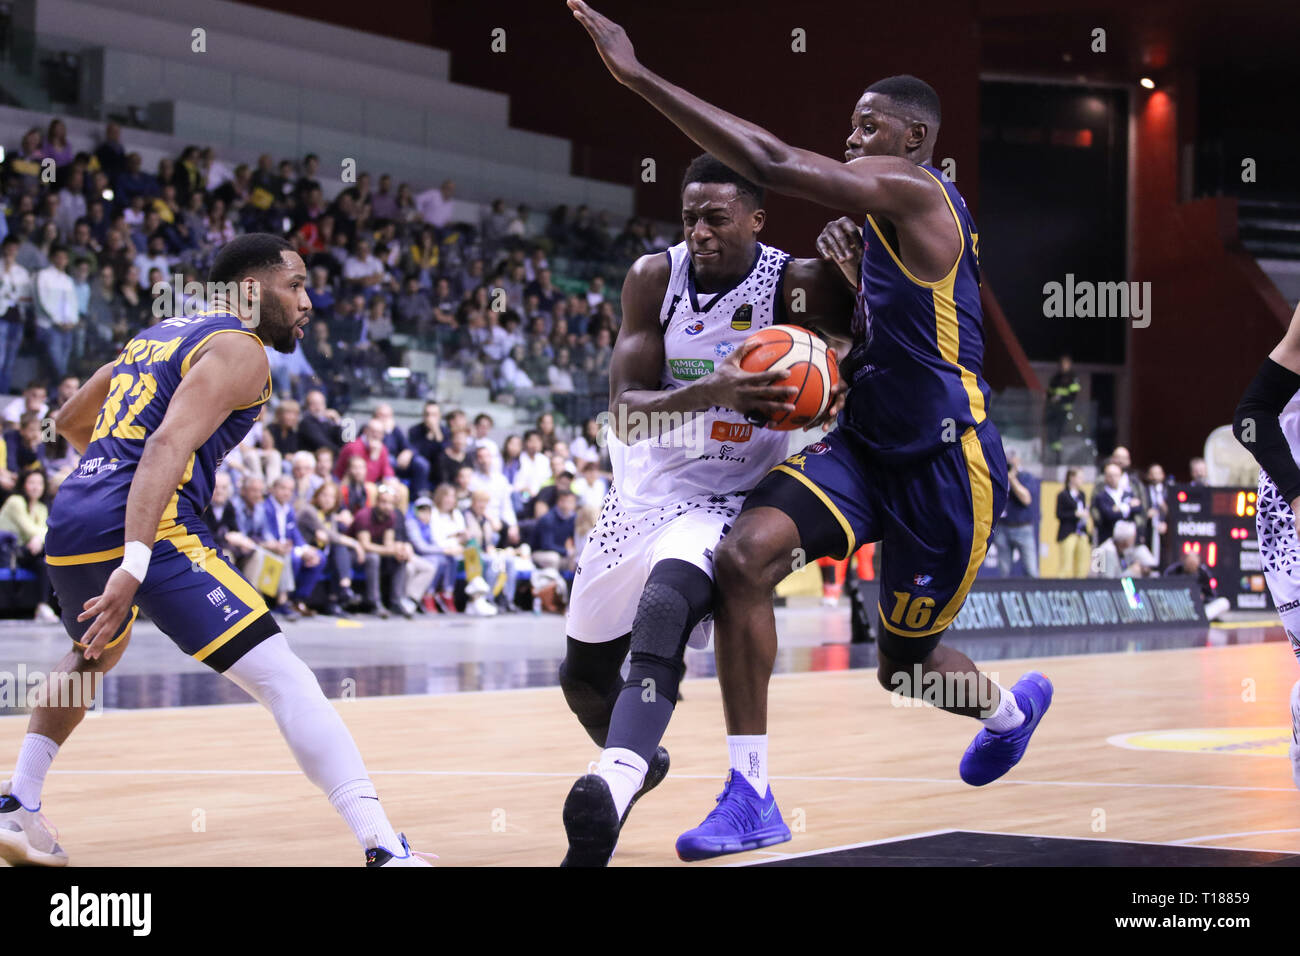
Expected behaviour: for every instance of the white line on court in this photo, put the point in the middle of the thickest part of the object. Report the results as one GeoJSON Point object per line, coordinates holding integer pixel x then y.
{"type": "Point", "coordinates": [679, 776]}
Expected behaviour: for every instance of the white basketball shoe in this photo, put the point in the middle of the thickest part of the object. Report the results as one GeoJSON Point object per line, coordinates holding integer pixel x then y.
{"type": "Point", "coordinates": [381, 856]}
{"type": "Point", "coordinates": [26, 837]}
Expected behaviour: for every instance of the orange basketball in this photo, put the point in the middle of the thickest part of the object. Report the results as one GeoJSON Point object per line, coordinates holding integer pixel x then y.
{"type": "Point", "coordinates": [808, 365]}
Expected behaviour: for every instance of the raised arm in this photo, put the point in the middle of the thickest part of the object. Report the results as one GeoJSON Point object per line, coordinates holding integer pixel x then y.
{"type": "Point", "coordinates": [227, 372]}
{"type": "Point", "coordinates": [888, 186]}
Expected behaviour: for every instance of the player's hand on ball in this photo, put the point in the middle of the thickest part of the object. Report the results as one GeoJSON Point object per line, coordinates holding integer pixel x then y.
{"type": "Point", "coordinates": [611, 41]}
{"type": "Point", "coordinates": [750, 393]}
{"type": "Point", "coordinates": [108, 609]}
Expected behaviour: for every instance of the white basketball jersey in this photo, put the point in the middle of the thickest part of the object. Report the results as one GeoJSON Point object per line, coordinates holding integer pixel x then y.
{"type": "Point", "coordinates": [712, 452]}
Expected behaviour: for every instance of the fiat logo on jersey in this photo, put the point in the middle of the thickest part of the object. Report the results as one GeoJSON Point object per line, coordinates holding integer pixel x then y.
{"type": "Point", "coordinates": [731, 431]}
{"type": "Point", "coordinates": [743, 318]}
{"type": "Point", "coordinates": [694, 328]}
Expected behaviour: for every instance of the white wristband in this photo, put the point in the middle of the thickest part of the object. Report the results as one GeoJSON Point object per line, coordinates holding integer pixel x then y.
{"type": "Point", "coordinates": [135, 559]}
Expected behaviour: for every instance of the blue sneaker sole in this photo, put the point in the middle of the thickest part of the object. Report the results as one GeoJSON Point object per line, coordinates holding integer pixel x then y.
{"type": "Point", "coordinates": [706, 848]}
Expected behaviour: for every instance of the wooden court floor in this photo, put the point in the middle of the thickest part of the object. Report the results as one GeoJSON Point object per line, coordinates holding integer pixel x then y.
{"type": "Point", "coordinates": [479, 778]}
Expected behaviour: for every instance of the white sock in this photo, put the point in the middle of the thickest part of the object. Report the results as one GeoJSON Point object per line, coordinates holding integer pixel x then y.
{"type": "Point", "coordinates": [358, 805]}
{"type": "Point", "coordinates": [1007, 715]}
{"type": "Point", "coordinates": [34, 761]}
{"type": "Point", "coordinates": [749, 759]}
{"type": "Point", "coordinates": [624, 771]}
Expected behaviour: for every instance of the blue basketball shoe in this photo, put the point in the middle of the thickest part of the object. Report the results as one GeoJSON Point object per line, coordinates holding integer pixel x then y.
{"type": "Point", "coordinates": [991, 755]}
{"type": "Point", "coordinates": [741, 821]}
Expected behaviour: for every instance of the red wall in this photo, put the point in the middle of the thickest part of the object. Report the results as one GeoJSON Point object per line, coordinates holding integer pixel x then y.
{"type": "Point", "coordinates": [738, 57]}
{"type": "Point", "coordinates": [1214, 314]}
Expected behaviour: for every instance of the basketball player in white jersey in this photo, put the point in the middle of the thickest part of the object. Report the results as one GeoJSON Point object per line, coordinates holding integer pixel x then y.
{"type": "Point", "coordinates": [1267, 423]}
{"type": "Point", "coordinates": [685, 450]}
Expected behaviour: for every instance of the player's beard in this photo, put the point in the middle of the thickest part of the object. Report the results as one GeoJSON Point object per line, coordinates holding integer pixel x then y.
{"type": "Point", "coordinates": [280, 326]}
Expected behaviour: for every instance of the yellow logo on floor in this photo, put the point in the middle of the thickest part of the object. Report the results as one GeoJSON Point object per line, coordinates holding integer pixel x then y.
{"type": "Point", "coordinates": [1249, 741]}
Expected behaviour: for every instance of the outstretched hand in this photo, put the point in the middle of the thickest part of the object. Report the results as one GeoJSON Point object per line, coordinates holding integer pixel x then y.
{"type": "Point", "coordinates": [611, 41]}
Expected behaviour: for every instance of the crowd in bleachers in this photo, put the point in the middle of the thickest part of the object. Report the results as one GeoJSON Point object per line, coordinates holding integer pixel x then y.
{"type": "Point", "coordinates": [95, 248]}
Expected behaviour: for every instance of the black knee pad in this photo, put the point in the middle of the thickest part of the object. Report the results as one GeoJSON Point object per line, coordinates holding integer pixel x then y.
{"type": "Point", "coordinates": [676, 597]}
{"type": "Point", "coordinates": [591, 678]}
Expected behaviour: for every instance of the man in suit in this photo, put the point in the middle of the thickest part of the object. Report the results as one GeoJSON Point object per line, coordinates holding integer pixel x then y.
{"type": "Point", "coordinates": [1112, 502]}
{"type": "Point", "coordinates": [1156, 493]}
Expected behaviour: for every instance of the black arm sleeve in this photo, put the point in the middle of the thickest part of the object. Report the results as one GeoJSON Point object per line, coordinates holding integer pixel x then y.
{"type": "Point", "coordinates": [1257, 427]}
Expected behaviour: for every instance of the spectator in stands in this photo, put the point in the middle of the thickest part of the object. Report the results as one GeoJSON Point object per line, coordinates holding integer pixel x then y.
{"type": "Point", "coordinates": [24, 515]}
{"type": "Point", "coordinates": [481, 437]}
{"type": "Point", "coordinates": [534, 465]}
{"type": "Point", "coordinates": [413, 310]}
{"type": "Point", "coordinates": [110, 154]}
{"type": "Point", "coordinates": [489, 477]}
{"type": "Point", "coordinates": [379, 334]}
{"type": "Point", "coordinates": [1156, 495]}
{"type": "Point", "coordinates": [370, 448]}
{"type": "Point", "coordinates": [1072, 534]}
{"type": "Point", "coordinates": [1120, 556]}
{"type": "Point", "coordinates": [103, 313]}
{"type": "Point", "coordinates": [1018, 527]}
{"type": "Point", "coordinates": [1199, 471]}
{"type": "Point", "coordinates": [1112, 503]}
{"type": "Point", "coordinates": [455, 454]}
{"type": "Point", "coordinates": [156, 258]}
{"type": "Point", "coordinates": [320, 426]}
{"type": "Point", "coordinates": [553, 536]}
{"type": "Point", "coordinates": [363, 271]}
{"type": "Point", "coordinates": [596, 292]}
{"type": "Point", "coordinates": [249, 514]}
{"type": "Point", "coordinates": [285, 540]}
{"type": "Point", "coordinates": [223, 521]}
{"type": "Point", "coordinates": [31, 400]}
{"type": "Point", "coordinates": [285, 429]}
{"type": "Point", "coordinates": [388, 558]}
{"type": "Point", "coordinates": [355, 490]}
{"type": "Point", "coordinates": [410, 466]}
{"type": "Point", "coordinates": [1215, 607]}
{"type": "Point", "coordinates": [15, 302]}
{"type": "Point", "coordinates": [590, 486]}
{"type": "Point", "coordinates": [422, 532]}
{"type": "Point", "coordinates": [546, 428]}
{"type": "Point", "coordinates": [383, 203]}
{"type": "Point", "coordinates": [302, 466]}
{"type": "Point", "coordinates": [25, 448]}
{"type": "Point", "coordinates": [562, 483]}
{"type": "Point", "coordinates": [426, 438]}
{"type": "Point", "coordinates": [56, 311]}
{"type": "Point", "coordinates": [435, 205]}
{"type": "Point", "coordinates": [587, 446]}
{"type": "Point", "coordinates": [483, 533]}
{"type": "Point", "coordinates": [325, 525]}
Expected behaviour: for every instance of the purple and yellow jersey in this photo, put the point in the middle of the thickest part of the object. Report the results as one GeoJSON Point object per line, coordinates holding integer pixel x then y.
{"type": "Point", "coordinates": [88, 516]}
{"type": "Point", "coordinates": [914, 372]}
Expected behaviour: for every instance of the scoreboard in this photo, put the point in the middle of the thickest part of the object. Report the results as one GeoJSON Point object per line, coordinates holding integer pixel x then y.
{"type": "Point", "coordinates": [1219, 524]}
